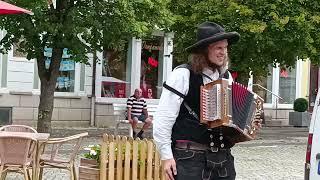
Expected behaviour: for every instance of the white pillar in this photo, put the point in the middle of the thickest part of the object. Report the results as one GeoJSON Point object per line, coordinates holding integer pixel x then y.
{"type": "Point", "coordinates": [299, 77]}
{"type": "Point", "coordinates": [168, 57]}
{"type": "Point", "coordinates": [275, 85]}
{"type": "Point", "coordinates": [135, 64]}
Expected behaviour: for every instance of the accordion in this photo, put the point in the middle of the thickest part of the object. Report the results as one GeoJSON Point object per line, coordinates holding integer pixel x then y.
{"type": "Point", "coordinates": [232, 108]}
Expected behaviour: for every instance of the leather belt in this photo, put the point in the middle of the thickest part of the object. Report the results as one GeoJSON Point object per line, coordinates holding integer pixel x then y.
{"type": "Point", "coordinates": [196, 146]}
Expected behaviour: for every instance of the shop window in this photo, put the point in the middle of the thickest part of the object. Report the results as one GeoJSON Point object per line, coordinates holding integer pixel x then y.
{"type": "Point", "coordinates": [65, 80]}
{"type": "Point", "coordinates": [287, 85]}
{"type": "Point", "coordinates": [115, 81]}
{"type": "Point", "coordinates": [151, 57]}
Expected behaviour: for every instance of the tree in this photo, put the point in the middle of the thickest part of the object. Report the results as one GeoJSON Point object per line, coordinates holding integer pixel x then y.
{"type": "Point", "coordinates": [81, 26]}
{"type": "Point", "coordinates": [271, 31]}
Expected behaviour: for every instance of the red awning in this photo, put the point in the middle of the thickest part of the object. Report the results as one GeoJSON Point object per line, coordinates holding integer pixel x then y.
{"type": "Point", "coordinates": [6, 8]}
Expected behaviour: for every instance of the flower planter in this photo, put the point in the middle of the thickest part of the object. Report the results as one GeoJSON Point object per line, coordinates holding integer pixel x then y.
{"type": "Point", "coordinates": [299, 119]}
{"type": "Point", "coordinates": [88, 169]}
{"type": "Point", "coordinates": [121, 158]}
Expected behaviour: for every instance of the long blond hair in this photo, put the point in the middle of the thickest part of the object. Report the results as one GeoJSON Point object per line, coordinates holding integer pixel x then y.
{"type": "Point", "coordinates": [200, 60]}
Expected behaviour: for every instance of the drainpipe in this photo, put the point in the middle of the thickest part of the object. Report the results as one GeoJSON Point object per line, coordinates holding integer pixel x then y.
{"type": "Point", "coordinates": [93, 90]}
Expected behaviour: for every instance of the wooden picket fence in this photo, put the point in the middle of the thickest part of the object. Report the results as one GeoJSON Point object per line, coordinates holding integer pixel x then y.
{"type": "Point", "coordinates": [123, 158]}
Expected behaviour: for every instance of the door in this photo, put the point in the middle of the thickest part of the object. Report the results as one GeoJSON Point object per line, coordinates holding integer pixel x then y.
{"type": "Point", "coordinates": [313, 88]}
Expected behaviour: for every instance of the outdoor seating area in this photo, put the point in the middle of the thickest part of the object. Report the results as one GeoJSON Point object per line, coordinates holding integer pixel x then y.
{"type": "Point", "coordinates": [24, 150]}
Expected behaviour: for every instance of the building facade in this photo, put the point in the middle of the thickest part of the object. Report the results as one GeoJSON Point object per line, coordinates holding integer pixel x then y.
{"type": "Point", "coordinates": [281, 87]}
{"type": "Point", "coordinates": [145, 64]}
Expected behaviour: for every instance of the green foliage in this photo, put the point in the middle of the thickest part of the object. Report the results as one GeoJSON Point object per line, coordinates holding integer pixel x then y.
{"type": "Point", "coordinates": [300, 105]}
{"type": "Point", "coordinates": [81, 25]}
{"type": "Point", "coordinates": [93, 152]}
{"type": "Point", "coordinates": [271, 31]}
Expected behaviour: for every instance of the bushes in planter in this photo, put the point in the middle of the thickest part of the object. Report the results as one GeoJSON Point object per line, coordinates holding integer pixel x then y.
{"type": "Point", "coordinates": [300, 105]}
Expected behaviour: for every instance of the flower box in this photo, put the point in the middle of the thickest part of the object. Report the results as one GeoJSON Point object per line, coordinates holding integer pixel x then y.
{"type": "Point", "coordinates": [89, 169]}
{"type": "Point", "coordinates": [121, 158]}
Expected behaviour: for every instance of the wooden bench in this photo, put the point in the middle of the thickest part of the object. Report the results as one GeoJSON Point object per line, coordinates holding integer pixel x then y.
{"type": "Point", "coordinates": [119, 110]}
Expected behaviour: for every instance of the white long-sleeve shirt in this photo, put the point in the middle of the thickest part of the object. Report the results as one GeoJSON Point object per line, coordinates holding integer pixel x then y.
{"type": "Point", "coordinates": [169, 107]}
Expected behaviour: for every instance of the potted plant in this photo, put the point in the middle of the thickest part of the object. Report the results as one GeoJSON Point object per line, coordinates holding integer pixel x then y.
{"type": "Point", "coordinates": [89, 163]}
{"type": "Point", "coordinates": [300, 117]}
{"type": "Point", "coordinates": [129, 158]}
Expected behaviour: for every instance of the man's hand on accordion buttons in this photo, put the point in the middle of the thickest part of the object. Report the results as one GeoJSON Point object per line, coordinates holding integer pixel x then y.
{"type": "Point", "coordinates": [256, 124]}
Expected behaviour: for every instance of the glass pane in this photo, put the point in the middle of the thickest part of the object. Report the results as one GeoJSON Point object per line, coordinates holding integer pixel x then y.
{"type": "Point", "coordinates": [65, 80]}
{"type": "Point", "coordinates": [151, 58]}
{"type": "Point", "coordinates": [17, 53]}
{"type": "Point", "coordinates": [5, 115]}
{"type": "Point", "coordinates": [115, 73]}
{"type": "Point", "coordinates": [287, 85]}
{"type": "Point", "coordinates": [266, 82]}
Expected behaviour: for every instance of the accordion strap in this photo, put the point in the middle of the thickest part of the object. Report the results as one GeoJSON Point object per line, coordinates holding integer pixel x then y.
{"type": "Point", "coordinates": [182, 96]}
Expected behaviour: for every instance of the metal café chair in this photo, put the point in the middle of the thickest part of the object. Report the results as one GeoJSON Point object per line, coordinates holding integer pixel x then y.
{"type": "Point", "coordinates": [16, 154]}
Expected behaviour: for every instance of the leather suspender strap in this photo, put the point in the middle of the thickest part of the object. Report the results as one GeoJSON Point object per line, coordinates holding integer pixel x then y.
{"type": "Point", "coordinates": [182, 96]}
{"type": "Point", "coordinates": [173, 90]}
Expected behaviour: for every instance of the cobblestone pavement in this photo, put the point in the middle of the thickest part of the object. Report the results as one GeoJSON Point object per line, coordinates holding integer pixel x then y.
{"type": "Point", "coordinates": [273, 156]}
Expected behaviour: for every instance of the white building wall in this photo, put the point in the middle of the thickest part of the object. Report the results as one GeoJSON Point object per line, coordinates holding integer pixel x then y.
{"type": "Point", "coordinates": [88, 77]}
{"type": "Point", "coordinates": [20, 74]}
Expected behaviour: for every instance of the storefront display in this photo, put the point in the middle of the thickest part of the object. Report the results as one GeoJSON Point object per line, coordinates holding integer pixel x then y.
{"type": "Point", "coordinates": [287, 85]}
{"type": "Point", "coordinates": [113, 88]}
{"type": "Point", "coordinates": [151, 55]}
{"type": "Point", "coordinates": [114, 74]}
{"type": "Point", "coordinates": [65, 80]}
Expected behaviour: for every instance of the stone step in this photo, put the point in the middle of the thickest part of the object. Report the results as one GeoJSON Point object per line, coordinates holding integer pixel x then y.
{"type": "Point", "coordinates": [273, 123]}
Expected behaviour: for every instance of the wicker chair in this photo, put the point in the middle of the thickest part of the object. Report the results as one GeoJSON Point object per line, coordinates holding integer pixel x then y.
{"type": "Point", "coordinates": [18, 128]}
{"type": "Point", "coordinates": [55, 160]}
{"type": "Point", "coordinates": [16, 154]}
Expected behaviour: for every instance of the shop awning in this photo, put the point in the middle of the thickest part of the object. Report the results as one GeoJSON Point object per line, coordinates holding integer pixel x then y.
{"type": "Point", "coordinates": [112, 79]}
{"type": "Point", "coordinates": [6, 8]}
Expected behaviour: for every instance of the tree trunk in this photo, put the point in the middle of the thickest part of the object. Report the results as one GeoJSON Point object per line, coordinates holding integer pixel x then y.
{"type": "Point", "coordinates": [48, 78]}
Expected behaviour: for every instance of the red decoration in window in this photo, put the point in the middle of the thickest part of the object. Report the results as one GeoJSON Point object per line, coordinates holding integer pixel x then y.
{"type": "Point", "coordinates": [284, 73]}
{"type": "Point", "coordinates": [153, 62]}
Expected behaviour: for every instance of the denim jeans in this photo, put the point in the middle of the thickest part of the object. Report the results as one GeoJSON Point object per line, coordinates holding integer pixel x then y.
{"type": "Point", "coordinates": [204, 165]}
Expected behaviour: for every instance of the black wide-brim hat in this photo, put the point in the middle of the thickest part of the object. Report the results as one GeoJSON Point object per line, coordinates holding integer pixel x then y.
{"type": "Point", "coordinates": [210, 32]}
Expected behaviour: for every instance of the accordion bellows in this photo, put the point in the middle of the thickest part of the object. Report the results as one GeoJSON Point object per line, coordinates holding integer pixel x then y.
{"type": "Point", "coordinates": [230, 107]}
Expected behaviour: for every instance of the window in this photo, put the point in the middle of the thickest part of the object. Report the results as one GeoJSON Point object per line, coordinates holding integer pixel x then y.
{"type": "Point", "coordinates": [115, 81]}
{"type": "Point", "coordinates": [5, 115]}
{"type": "Point", "coordinates": [151, 57]}
{"type": "Point", "coordinates": [65, 80]}
{"type": "Point", "coordinates": [17, 53]}
{"type": "Point", "coordinates": [287, 85]}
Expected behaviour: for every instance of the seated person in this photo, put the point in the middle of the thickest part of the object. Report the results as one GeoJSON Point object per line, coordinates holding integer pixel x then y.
{"type": "Point", "coordinates": [137, 111]}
